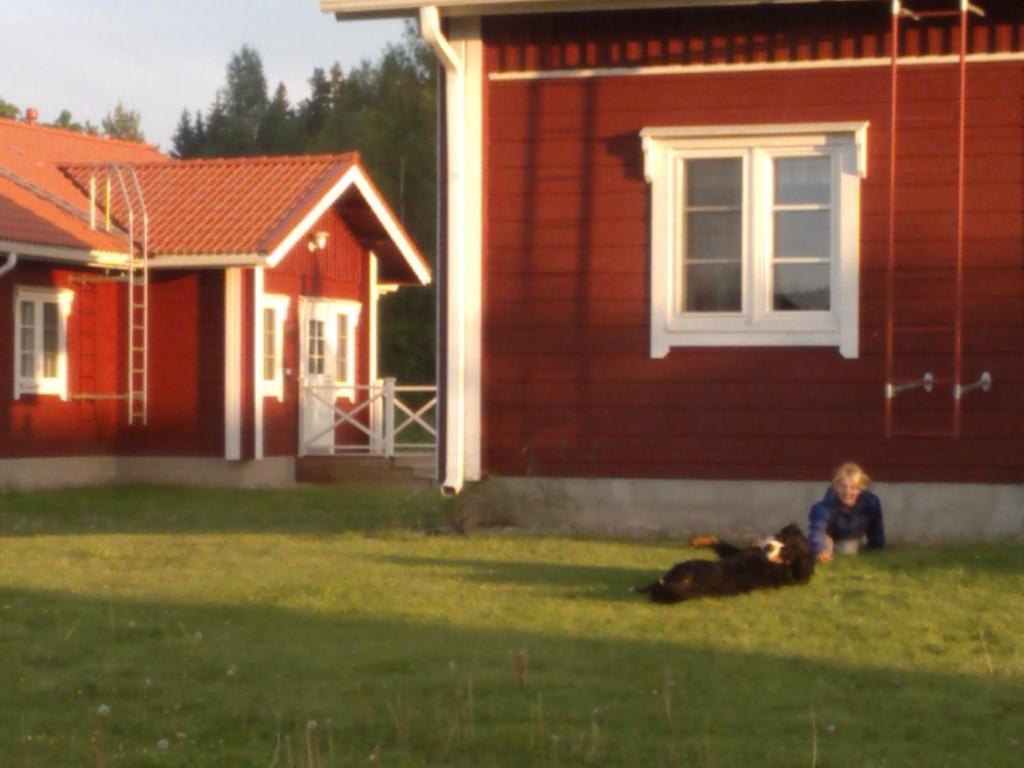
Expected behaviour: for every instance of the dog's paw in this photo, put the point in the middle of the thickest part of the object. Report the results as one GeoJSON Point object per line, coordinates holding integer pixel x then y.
{"type": "Point", "coordinates": [703, 542]}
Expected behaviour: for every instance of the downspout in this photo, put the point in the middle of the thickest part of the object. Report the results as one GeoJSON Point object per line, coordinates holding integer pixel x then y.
{"type": "Point", "coordinates": [455, 364]}
{"type": "Point", "coordinates": [11, 263]}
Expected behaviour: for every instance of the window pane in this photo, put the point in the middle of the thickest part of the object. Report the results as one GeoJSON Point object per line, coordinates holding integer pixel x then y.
{"type": "Point", "coordinates": [27, 317]}
{"type": "Point", "coordinates": [713, 287]}
{"type": "Point", "coordinates": [714, 236]}
{"type": "Point", "coordinates": [342, 356]}
{"type": "Point", "coordinates": [803, 234]}
{"type": "Point", "coordinates": [51, 339]}
{"type": "Point", "coordinates": [803, 180]}
{"type": "Point", "coordinates": [316, 347]}
{"type": "Point", "coordinates": [714, 182]}
{"type": "Point", "coordinates": [269, 345]}
{"type": "Point", "coordinates": [801, 287]}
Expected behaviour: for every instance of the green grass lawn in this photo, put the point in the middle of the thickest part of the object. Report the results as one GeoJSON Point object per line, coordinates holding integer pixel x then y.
{"type": "Point", "coordinates": [165, 627]}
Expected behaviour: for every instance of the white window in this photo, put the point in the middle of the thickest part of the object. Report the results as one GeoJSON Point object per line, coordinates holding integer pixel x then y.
{"type": "Point", "coordinates": [40, 341]}
{"type": "Point", "coordinates": [755, 235]}
{"type": "Point", "coordinates": [275, 310]}
{"type": "Point", "coordinates": [345, 324]}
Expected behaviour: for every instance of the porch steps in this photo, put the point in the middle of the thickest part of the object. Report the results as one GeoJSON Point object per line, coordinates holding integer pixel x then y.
{"type": "Point", "coordinates": [405, 471]}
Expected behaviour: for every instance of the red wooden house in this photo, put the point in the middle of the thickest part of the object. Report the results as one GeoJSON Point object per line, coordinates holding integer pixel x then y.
{"type": "Point", "coordinates": [699, 252]}
{"type": "Point", "coordinates": [208, 319]}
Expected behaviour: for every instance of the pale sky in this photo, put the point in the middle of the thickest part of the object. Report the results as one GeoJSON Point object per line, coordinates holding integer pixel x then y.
{"type": "Point", "coordinates": [161, 56]}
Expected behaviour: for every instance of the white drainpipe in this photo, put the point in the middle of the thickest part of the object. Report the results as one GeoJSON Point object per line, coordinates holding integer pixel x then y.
{"type": "Point", "coordinates": [11, 263]}
{"type": "Point", "coordinates": [455, 418]}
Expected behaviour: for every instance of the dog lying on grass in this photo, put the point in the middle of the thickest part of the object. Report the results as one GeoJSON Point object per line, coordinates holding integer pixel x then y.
{"type": "Point", "coordinates": [784, 559]}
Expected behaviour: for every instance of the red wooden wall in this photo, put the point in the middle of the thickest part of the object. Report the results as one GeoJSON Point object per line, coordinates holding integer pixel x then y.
{"type": "Point", "coordinates": [569, 386]}
{"type": "Point", "coordinates": [44, 424]}
{"type": "Point", "coordinates": [186, 367]}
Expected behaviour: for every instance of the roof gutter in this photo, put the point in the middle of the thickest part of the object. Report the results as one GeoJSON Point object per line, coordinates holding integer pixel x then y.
{"type": "Point", "coordinates": [450, 302]}
{"type": "Point", "coordinates": [11, 263]}
{"type": "Point", "coordinates": [430, 31]}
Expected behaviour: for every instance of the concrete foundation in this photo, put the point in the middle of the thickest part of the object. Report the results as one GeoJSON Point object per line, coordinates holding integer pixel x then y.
{"type": "Point", "coordinates": [30, 474]}
{"type": "Point", "coordinates": [918, 512]}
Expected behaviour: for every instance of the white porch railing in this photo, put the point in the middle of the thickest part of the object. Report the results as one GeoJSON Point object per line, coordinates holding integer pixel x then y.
{"type": "Point", "coordinates": [379, 419]}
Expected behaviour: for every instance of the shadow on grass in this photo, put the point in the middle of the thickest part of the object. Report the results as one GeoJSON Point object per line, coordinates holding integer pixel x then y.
{"type": "Point", "coordinates": [202, 685]}
{"type": "Point", "coordinates": [170, 509]}
{"type": "Point", "coordinates": [591, 582]}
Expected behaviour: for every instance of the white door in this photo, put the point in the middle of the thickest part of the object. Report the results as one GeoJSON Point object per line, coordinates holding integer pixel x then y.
{"type": "Point", "coordinates": [328, 366]}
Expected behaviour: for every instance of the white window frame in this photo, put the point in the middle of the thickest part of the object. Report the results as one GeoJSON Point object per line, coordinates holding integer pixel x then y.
{"type": "Point", "coordinates": [351, 310]}
{"type": "Point", "coordinates": [757, 324]}
{"type": "Point", "coordinates": [40, 384]}
{"type": "Point", "coordinates": [278, 304]}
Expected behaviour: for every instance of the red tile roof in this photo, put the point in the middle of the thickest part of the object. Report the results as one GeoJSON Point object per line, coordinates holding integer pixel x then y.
{"type": "Point", "coordinates": [25, 217]}
{"type": "Point", "coordinates": [221, 207]}
{"type": "Point", "coordinates": [195, 208]}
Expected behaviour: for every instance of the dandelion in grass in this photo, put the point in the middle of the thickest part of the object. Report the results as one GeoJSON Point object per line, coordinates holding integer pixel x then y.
{"type": "Point", "coordinates": [198, 636]}
{"type": "Point", "coordinates": [180, 736]}
{"type": "Point", "coordinates": [311, 725]}
{"type": "Point", "coordinates": [102, 710]}
{"type": "Point", "coordinates": [163, 744]}
{"type": "Point", "coordinates": [232, 670]}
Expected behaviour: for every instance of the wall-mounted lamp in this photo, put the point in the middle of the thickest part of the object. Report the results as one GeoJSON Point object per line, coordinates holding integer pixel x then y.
{"type": "Point", "coordinates": [317, 241]}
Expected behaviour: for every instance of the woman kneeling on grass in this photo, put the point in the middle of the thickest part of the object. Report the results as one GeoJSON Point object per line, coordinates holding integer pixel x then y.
{"type": "Point", "coordinates": [848, 513]}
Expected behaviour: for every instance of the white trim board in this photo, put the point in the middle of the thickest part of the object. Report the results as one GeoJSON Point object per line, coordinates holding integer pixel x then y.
{"type": "Point", "coordinates": [233, 285]}
{"type": "Point", "coordinates": [257, 359]}
{"type": "Point", "coordinates": [370, 9]}
{"type": "Point", "coordinates": [63, 253]}
{"type": "Point", "coordinates": [710, 69]}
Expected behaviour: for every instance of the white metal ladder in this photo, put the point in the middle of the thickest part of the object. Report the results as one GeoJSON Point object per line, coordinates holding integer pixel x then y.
{"type": "Point", "coordinates": [137, 274]}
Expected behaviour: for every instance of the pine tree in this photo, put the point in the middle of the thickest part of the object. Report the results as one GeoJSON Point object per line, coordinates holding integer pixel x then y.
{"type": "Point", "coordinates": [315, 109]}
{"type": "Point", "coordinates": [245, 101]}
{"type": "Point", "coordinates": [183, 140]}
{"type": "Point", "coordinates": [279, 129]}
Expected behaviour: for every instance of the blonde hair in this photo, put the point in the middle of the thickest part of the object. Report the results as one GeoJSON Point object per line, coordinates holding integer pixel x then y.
{"type": "Point", "coordinates": [852, 474]}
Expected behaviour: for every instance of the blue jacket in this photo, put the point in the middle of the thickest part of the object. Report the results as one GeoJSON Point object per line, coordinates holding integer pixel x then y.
{"type": "Point", "coordinates": [830, 518]}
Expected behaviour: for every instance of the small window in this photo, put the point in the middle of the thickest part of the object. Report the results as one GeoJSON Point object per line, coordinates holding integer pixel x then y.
{"type": "Point", "coordinates": [275, 310]}
{"type": "Point", "coordinates": [315, 356]}
{"type": "Point", "coordinates": [40, 341]}
{"type": "Point", "coordinates": [755, 235]}
{"type": "Point", "coordinates": [342, 373]}
{"type": "Point", "coordinates": [346, 315]}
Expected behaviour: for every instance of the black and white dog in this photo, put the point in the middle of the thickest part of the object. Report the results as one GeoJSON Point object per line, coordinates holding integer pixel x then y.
{"type": "Point", "coordinates": [782, 560]}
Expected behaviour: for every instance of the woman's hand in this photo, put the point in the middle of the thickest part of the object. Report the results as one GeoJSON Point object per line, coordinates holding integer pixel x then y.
{"type": "Point", "coordinates": [824, 557]}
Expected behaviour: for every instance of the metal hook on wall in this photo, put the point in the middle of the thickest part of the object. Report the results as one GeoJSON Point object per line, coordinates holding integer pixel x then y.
{"type": "Point", "coordinates": [926, 382]}
{"type": "Point", "coordinates": [984, 383]}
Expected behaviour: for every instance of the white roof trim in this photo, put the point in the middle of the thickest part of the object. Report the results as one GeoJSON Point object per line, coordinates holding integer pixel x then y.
{"type": "Point", "coordinates": [379, 8]}
{"type": "Point", "coordinates": [64, 253]}
{"type": "Point", "coordinates": [184, 260]}
{"type": "Point", "coordinates": [355, 176]}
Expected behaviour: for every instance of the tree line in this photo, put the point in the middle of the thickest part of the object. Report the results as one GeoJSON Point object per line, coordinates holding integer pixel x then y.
{"type": "Point", "coordinates": [119, 123]}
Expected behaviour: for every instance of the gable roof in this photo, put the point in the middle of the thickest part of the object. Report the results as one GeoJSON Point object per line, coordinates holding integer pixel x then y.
{"type": "Point", "coordinates": [217, 207]}
{"type": "Point", "coordinates": [200, 212]}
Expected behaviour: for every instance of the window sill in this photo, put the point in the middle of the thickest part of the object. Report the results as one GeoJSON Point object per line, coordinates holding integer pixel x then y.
{"type": "Point", "coordinates": [662, 343]}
